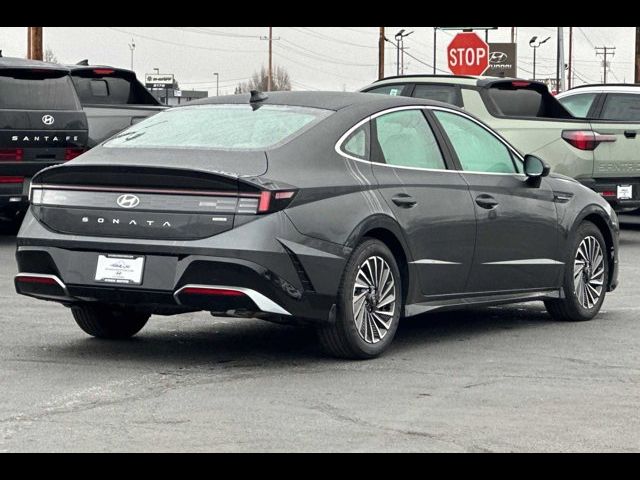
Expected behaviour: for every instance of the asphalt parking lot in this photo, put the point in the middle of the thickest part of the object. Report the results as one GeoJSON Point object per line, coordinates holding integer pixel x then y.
{"type": "Point", "coordinates": [494, 379]}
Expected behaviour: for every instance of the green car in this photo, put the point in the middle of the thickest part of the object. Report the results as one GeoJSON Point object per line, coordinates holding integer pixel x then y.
{"type": "Point", "coordinates": [601, 154]}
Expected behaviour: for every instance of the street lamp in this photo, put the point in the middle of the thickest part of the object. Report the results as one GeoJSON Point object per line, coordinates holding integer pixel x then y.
{"type": "Point", "coordinates": [400, 47]}
{"type": "Point", "coordinates": [217, 83]}
{"type": "Point", "coordinates": [532, 44]}
{"type": "Point", "coordinates": [132, 47]}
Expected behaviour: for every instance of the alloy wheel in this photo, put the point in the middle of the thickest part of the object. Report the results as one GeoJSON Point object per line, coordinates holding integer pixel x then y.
{"type": "Point", "coordinates": [374, 299]}
{"type": "Point", "coordinates": [588, 272]}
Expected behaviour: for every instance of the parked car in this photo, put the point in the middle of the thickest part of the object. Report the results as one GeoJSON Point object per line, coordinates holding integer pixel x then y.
{"type": "Point", "coordinates": [113, 99]}
{"type": "Point", "coordinates": [342, 210]}
{"type": "Point", "coordinates": [599, 153]}
{"type": "Point", "coordinates": [620, 102]}
{"type": "Point", "coordinates": [41, 124]}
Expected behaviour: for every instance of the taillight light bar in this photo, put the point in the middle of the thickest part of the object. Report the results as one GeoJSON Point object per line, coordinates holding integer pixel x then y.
{"type": "Point", "coordinates": [41, 280]}
{"type": "Point", "coordinates": [272, 201]}
{"type": "Point", "coordinates": [586, 139]}
{"type": "Point", "coordinates": [16, 154]}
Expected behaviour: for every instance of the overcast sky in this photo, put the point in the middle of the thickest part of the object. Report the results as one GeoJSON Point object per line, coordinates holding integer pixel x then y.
{"type": "Point", "coordinates": [326, 58]}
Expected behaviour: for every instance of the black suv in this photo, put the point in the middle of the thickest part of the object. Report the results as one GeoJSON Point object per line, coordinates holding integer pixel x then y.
{"type": "Point", "coordinates": [41, 124]}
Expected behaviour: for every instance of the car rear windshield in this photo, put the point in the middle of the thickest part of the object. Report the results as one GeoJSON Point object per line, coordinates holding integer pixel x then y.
{"type": "Point", "coordinates": [23, 89]}
{"type": "Point", "coordinates": [104, 86]}
{"type": "Point", "coordinates": [510, 101]}
{"type": "Point", "coordinates": [221, 127]}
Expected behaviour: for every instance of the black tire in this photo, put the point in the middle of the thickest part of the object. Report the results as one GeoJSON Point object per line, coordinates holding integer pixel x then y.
{"type": "Point", "coordinates": [341, 338]}
{"type": "Point", "coordinates": [570, 308]}
{"type": "Point", "coordinates": [102, 321]}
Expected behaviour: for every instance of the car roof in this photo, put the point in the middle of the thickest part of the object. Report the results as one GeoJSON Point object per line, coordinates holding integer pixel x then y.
{"type": "Point", "coordinates": [325, 100]}
{"type": "Point", "coordinates": [16, 63]}
{"type": "Point", "coordinates": [602, 87]}
{"type": "Point", "coordinates": [474, 80]}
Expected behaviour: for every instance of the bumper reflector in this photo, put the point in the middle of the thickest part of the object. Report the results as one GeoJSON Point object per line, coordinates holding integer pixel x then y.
{"type": "Point", "coordinates": [41, 280]}
{"type": "Point", "coordinates": [211, 291]}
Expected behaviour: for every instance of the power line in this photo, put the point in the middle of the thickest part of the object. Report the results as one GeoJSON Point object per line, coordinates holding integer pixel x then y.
{"type": "Point", "coordinates": [318, 56]}
{"type": "Point", "coordinates": [313, 33]}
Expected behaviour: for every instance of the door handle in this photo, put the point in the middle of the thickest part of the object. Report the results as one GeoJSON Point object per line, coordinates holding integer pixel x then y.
{"type": "Point", "coordinates": [486, 201]}
{"type": "Point", "coordinates": [630, 133]}
{"type": "Point", "coordinates": [404, 201]}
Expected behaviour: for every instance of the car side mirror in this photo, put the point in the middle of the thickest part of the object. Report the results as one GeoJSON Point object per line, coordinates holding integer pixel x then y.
{"type": "Point", "coordinates": [535, 169]}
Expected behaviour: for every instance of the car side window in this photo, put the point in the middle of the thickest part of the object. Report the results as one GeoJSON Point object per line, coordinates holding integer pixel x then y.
{"type": "Point", "coordinates": [357, 144]}
{"type": "Point", "coordinates": [406, 140]}
{"type": "Point", "coordinates": [441, 93]}
{"type": "Point", "coordinates": [393, 90]}
{"type": "Point", "coordinates": [476, 148]}
{"type": "Point", "coordinates": [621, 106]}
{"type": "Point", "coordinates": [579, 104]}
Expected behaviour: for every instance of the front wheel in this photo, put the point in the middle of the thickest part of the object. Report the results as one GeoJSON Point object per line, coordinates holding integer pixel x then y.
{"type": "Point", "coordinates": [585, 277]}
{"type": "Point", "coordinates": [369, 304]}
{"type": "Point", "coordinates": [102, 321]}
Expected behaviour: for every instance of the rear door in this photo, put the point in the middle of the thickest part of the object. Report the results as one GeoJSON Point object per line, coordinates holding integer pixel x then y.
{"type": "Point", "coordinates": [517, 229]}
{"type": "Point", "coordinates": [430, 201]}
{"type": "Point", "coordinates": [619, 160]}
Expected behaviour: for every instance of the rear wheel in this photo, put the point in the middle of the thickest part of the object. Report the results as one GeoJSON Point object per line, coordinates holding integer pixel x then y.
{"type": "Point", "coordinates": [369, 304]}
{"type": "Point", "coordinates": [585, 277]}
{"type": "Point", "coordinates": [102, 321]}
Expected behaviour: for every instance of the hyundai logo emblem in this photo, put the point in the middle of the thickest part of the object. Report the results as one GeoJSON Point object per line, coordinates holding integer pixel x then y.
{"type": "Point", "coordinates": [128, 201]}
{"type": "Point", "coordinates": [48, 119]}
{"type": "Point", "coordinates": [497, 57]}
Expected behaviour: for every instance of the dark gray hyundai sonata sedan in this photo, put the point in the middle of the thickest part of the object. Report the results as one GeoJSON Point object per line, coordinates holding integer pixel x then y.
{"type": "Point", "coordinates": [346, 211]}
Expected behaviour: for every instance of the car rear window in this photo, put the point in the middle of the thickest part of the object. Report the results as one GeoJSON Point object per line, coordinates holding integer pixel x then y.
{"type": "Point", "coordinates": [111, 88]}
{"type": "Point", "coordinates": [23, 89]}
{"type": "Point", "coordinates": [513, 101]}
{"type": "Point", "coordinates": [222, 127]}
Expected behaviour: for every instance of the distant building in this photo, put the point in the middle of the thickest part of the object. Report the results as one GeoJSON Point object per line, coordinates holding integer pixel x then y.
{"type": "Point", "coordinates": [171, 96]}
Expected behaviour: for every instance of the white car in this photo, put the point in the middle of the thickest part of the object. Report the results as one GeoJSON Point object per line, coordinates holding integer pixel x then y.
{"type": "Point", "coordinates": [619, 102]}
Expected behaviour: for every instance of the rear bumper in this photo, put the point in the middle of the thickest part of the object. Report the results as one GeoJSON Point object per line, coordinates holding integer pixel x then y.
{"type": "Point", "coordinates": [272, 269]}
{"type": "Point", "coordinates": [608, 189]}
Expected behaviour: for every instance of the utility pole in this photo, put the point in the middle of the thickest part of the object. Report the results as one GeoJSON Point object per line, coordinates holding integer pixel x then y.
{"type": "Point", "coordinates": [513, 34]}
{"type": "Point", "coordinates": [270, 70]}
{"type": "Point", "coordinates": [34, 43]}
{"type": "Point", "coordinates": [570, 72]}
{"type": "Point", "coordinates": [381, 54]}
{"type": "Point", "coordinates": [560, 85]}
{"type": "Point", "coordinates": [637, 75]}
{"type": "Point", "coordinates": [605, 51]}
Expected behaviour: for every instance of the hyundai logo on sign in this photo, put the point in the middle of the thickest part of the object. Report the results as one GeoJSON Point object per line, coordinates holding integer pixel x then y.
{"type": "Point", "coordinates": [48, 119]}
{"type": "Point", "coordinates": [497, 57]}
{"type": "Point", "coordinates": [128, 201]}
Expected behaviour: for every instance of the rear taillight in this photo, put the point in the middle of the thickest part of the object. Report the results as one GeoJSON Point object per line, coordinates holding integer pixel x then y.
{"type": "Point", "coordinates": [103, 71]}
{"type": "Point", "coordinates": [272, 201]}
{"type": "Point", "coordinates": [520, 84]}
{"type": "Point", "coordinates": [6, 179]}
{"type": "Point", "coordinates": [11, 154]}
{"type": "Point", "coordinates": [71, 153]}
{"type": "Point", "coordinates": [586, 139]}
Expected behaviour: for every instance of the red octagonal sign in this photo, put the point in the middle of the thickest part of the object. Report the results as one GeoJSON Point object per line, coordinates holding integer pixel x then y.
{"type": "Point", "coordinates": [468, 54]}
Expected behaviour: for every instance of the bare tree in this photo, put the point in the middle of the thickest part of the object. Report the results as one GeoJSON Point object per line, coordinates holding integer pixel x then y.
{"type": "Point", "coordinates": [259, 81]}
{"type": "Point", "coordinates": [49, 56]}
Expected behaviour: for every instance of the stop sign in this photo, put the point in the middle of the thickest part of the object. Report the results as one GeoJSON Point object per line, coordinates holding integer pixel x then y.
{"type": "Point", "coordinates": [468, 54]}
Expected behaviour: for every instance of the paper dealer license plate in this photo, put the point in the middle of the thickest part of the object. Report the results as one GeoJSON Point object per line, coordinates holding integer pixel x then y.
{"type": "Point", "coordinates": [625, 192]}
{"type": "Point", "coordinates": [122, 269]}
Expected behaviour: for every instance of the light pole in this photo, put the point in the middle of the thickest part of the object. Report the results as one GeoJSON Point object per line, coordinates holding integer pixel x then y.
{"type": "Point", "coordinates": [532, 44]}
{"type": "Point", "coordinates": [217, 83]}
{"type": "Point", "coordinates": [157, 70]}
{"type": "Point", "coordinates": [132, 47]}
{"type": "Point", "coordinates": [400, 47]}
